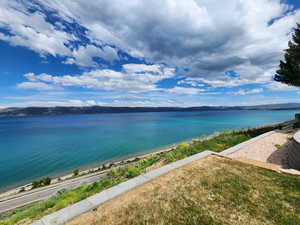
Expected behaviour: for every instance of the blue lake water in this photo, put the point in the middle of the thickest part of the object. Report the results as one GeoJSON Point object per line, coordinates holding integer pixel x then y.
{"type": "Point", "coordinates": [37, 146]}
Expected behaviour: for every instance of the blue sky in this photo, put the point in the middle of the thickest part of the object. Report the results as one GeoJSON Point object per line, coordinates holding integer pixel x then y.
{"type": "Point", "coordinates": [144, 53]}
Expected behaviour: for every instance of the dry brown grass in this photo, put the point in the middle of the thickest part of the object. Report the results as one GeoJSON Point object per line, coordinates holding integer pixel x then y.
{"type": "Point", "coordinates": [212, 191]}
{"type": "Point", "coordinates": [156, 165]}
{"type": "Point", "coordinates": [269, 166]}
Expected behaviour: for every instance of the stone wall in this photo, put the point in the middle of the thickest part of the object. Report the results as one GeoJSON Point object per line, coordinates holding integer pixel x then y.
{"type": "Point", "coordinates": [294, 152]}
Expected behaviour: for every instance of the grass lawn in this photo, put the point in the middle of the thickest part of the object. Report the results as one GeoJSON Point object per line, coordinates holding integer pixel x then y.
{"type": "Point", "coordinates": [218, 143]}
{"type": "Point", "coordinates": [211, 191]}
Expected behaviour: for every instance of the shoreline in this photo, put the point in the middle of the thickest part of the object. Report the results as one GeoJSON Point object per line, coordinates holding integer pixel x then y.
{"type": "Point", "coordinates": [92, 169]}
{"type": "Point", "coordinates": [105, 165]}
{"type": "Point", "coordinates": [122, 161]}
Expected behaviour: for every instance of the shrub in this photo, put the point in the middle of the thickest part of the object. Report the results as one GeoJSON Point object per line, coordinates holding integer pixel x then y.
{"type": "Point", "coordinates": [35, 184]}
{"type": "Point", "coordinates": [132, 172]}
{"type": "Point", "coordinates": [146, 162]}
{"type": "Point", "coordinates": [42, 182]}
{"type": "Point", "coordinates": [183, 145]}
{"type": "Point", "coordinates": [61, 192]}
{"type": "Point", "coordinates": [46, 181]}
{"type": "Point", "coordinates": [277, 146]}
{"type": "Point", "coordinates": [75, 172]}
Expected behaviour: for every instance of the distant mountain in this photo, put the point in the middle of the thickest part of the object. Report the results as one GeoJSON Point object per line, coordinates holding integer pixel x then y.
{"type": "Point", "coordinates": [29, 111]}
{"type": "Point", "coordinates": [283, 106]}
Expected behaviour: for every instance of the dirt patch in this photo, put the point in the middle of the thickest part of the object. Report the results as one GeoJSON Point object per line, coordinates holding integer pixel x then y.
{"type": "Point", "coordinates": [270, 149]}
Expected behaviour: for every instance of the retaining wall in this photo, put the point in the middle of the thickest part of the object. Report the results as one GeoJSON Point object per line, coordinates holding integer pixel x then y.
{"type": "Point", "coordinates": [294, 153]}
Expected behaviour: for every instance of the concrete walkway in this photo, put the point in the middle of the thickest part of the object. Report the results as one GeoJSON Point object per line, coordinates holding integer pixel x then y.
{"type": "Point", "coordinates": [271, 149]}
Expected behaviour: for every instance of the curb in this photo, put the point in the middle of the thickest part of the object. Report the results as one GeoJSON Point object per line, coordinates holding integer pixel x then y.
{"type": "Point", "coordinates": [68, 213]}
{"type": "Point", "coordinates": [62, 216]}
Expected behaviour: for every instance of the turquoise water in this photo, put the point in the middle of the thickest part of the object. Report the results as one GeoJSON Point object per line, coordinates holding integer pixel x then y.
{"type": "Point", "coordinates": [38, 146]}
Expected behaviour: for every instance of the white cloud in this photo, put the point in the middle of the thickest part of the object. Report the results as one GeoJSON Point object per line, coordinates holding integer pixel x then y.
{"type": "Point", "coordinates": [208, 36]}
{"type": "Point", "coordinates": [191, 82]}
{"type": "Point", "coordinates": [36, 86]}
{"type": "Point", "coordinates": [136, 68]}
{"type": "Point", "coordinates": [276, 86]}
{"type": "Point", "coordinates": [84, 55]}
{"type": "Point", "coordinates": [247, 92]}
{"type": "Point", "coordinates": [134, 78]}
{"type": "Point", "coordinates": [71, 102]}
{"type": "Point", "coordinates": [184, 90]}
{"type": "Point", "coordinates": [31, 30]}
{"type": "Point", "coordinates": [225, 82]}
{"type": "Point", "coordinates": [115, 103]}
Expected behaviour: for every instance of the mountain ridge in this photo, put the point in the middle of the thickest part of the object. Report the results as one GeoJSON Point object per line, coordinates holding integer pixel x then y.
{"type": "Point", "coordinates": [62, 110]}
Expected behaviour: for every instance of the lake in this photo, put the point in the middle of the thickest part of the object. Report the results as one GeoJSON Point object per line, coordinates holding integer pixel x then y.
{"type": "Point", "coordinates": [36, 146]}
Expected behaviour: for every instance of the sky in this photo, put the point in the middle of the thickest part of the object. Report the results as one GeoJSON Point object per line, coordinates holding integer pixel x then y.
{"type": "Point", "coordinates": [144, 52]}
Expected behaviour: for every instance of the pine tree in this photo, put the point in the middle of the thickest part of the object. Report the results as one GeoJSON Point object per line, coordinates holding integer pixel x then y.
{"type": "Point", "coordinates": [289, 69]}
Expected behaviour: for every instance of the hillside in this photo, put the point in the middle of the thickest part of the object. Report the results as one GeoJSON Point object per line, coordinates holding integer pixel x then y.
{"type": "Point", "coordinates": [25, 215]}
{"type": "Point", "coordinates": [29, 111]}
{"type": "Point", "coordinates": [210, 191]}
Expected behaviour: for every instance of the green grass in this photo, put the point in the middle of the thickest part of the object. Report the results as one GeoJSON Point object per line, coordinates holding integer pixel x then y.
{"type": "Point", "coordinates": [62, 199]}
{"type": "Point", "coordinates": [217, 143]}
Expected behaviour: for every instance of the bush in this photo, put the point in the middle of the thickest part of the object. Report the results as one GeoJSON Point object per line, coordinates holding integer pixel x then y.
{"type": "Point", "coordinates": [183, 146]}
{"type": "Point", "coordinates": [35, 184]}
{"type": "Point", "coordinates": [46, 181]}
{"type": "Point", "coordinates": [132, 172]}
{"type": "Point", "coordinates": [41, 183]}
{"type": "Point", "coordinates": [113, 172]}
{"type": "Point", "coordinates": [75, 172]}
{"type": "Point", "coordinates": [22, 189]}
{"type": "Point", "coordinates": [61, 192]}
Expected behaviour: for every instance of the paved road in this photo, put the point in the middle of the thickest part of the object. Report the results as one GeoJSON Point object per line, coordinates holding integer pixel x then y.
{"type": "Point", "coordinates": [47, 192]}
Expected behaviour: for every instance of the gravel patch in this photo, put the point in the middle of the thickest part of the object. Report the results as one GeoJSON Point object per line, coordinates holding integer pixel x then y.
{"type": "Point", "coordinates": [270, 149]}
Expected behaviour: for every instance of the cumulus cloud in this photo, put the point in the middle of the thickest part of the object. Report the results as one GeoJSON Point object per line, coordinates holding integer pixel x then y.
{"type": "Point", "coordinates": [84, 55]}
{"type": "Point", "coordinates": [136, 68]}
{"type": "Point", "coordinates": [184, 90]}
{"type": "Point", "coordinates": [191, 82]}
{"type": "Point", "coordinates": [276, 86]}
{"type": "Point", "coordinates": [70, 102]}
{"type": "Point", "coordinates": [208, 36]}
{"type": "Point", "coordinates": [23, 26]}
{"type": "Point", "coordinates": [37, 86]}
{"type": "Point", "coordinates": [226, 81]}
{"type": "Point", "coordinates": [247, 92]}
{"type": "Point", "coordinates": [203, 39]}
{"type": "Point", "coordinates": [133, 78]}
{"type": "Point", "coordinates": [31, 30]}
